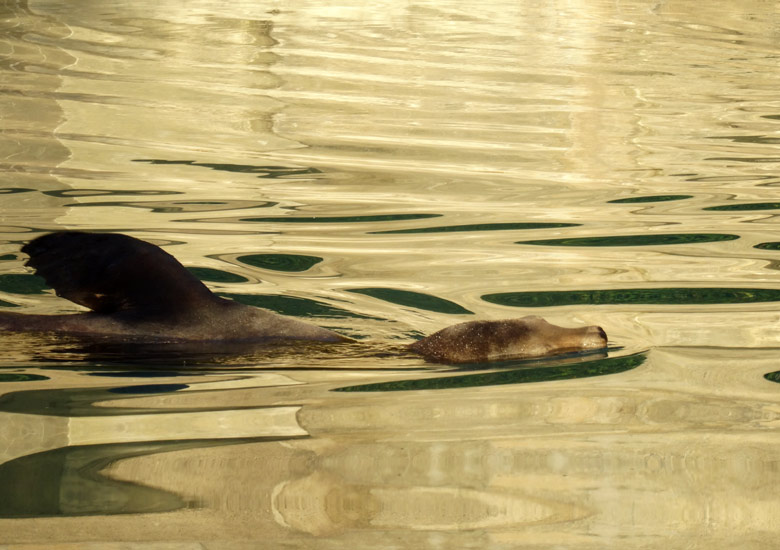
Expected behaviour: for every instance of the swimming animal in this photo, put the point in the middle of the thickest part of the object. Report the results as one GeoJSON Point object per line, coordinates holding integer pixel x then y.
{"type": "Point", "coordinates": [137, 291]}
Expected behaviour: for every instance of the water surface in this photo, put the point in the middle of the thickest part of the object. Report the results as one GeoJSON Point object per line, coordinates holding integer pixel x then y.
{"type": "Point", "coordinates": [387, 169]}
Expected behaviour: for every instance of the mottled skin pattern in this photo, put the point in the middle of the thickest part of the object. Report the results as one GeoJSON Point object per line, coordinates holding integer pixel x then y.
{"type": "Point", "coordinates": [139, 292]}
{"type": "Point", "coordinates": [483, 341]}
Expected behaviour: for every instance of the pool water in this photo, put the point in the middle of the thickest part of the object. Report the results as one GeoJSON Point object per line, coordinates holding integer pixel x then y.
{"type": "Point", "coordinates": [385, 170]}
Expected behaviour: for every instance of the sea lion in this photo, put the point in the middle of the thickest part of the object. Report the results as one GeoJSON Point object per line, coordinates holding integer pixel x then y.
{"type": "Point", "coordinates": [136, 291]}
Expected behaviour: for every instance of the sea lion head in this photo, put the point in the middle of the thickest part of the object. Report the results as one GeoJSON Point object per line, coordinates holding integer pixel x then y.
{"type": "Point", "coordinates": [483, 341]}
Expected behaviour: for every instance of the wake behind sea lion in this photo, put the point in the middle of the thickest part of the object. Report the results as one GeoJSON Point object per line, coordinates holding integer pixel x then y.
{"type": "Point", "coordinates": [135, 290]}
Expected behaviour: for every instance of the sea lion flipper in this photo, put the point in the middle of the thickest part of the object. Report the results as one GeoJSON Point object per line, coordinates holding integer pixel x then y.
{"type": "Point", "coordinates": [109, 273]}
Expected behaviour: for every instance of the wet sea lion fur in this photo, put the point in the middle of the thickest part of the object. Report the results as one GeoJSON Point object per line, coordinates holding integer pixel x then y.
{"type": "Point", "coordinates": [484, 341]}
{"type": "Point", "coordinates": [135, 290]}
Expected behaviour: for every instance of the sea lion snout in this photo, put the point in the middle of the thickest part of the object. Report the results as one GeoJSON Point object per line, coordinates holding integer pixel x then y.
{"type": "Point", "coordinates": [597, 337]}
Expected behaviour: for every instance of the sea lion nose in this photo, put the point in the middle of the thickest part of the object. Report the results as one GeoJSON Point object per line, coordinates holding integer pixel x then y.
{"type": "Point", "coordinates": [598, 335]}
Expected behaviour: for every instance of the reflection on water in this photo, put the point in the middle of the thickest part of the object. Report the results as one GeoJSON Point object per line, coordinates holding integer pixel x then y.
{"type": "Point", "coordinates": [651, 198]}
{"type": "Point", "coordinates": [480, 227]}
{"type": "Point", "coordinates": [636, 296]}
{"type": "Point", "coordinates": [636, 240]}
{"type": "Point", "coordinates": [70, 484]}
{"type": "Point", "coordinates": [22, 283]}
{"type": "Point", "coordinates": [417, 300]}
{"type": "Point", "coordinates": [746, 206]}
{"type": "Point", "coordinates": [519, 376]}
{"type": "Point", "coordinates": [387, 169]}
{"type": "Point", "coordinates": [21, 377]}
{"type": "Point", "coordinates": [281, 262]}
{"type": "Point", "coordinates": [273, 172]}
{"type": "Point", "coordinates": [211, 275]}
{"type": "Point", "coordinates": [292, 305]}
{"type": "Point", "coordinates": [343, 219]}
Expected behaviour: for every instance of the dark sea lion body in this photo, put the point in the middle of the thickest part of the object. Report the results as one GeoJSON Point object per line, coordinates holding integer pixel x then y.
{"type": "Point", "coordinates": [138, 291]}
{"type": "Point", "coordinates": [218, 321]}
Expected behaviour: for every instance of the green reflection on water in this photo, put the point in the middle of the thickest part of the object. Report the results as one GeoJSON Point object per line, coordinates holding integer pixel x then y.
{"type": "Point", "coordinates": [6, 257]}
{"type": "Point", "coordinates": [637, 240]}
{"type": "Point", "coordinates": [138, 374]}
{"type": "Point", "coordinates": [21, 377]}
{"type": "Point", "coordinates": [773, 376]}
{"type": "Point", "coordinates": [764, 140]}
{"type": "Point", "coordinates": [768, 246]}
{"type": "Point", "coordinates": [17, 283]}
{"type": "Point", "coordinates": [174, 207]}
{"type": "Point", "coordinates": [281, 262]}
{"type": "Point", "coordinates": [67, 481]}
{"type": "Point", "coordinates": [147, 389]}
{"type": "Point", "coordinates": [635, 296]}
{"type": "Point", "coordinates": [64, 193]}
{"type": "Point", "coordinates": [756, 160]}
{"type": "Point", "coordinates": [478, 227]}
{"type": "Point", "coordinates": [745, 206]}
{"type": "Point", "coordinates": [261, 171]}
{"type": "Point", "coordinates": [416, 300]}
{"type": "Point", "coordinates": [651, 198]}
{"type": "Point", "coordinates": [295, 306]}
{"type": "Point", "coordinates": [342, 219]}
{"type": "Point", "coordinates": [216, 275]}
{"type": "Point", "coordinates": [70, 481]}
{"type": "Point", "coordinates": [600, 367]}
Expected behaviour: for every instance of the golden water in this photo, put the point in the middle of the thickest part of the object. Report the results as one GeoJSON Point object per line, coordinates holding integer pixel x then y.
{"type": "Point", "coordinates": [380, 162]}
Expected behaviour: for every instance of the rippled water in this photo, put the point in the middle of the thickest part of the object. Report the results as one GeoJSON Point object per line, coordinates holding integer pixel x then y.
{"type": "Point", "coordinates": [386, 169]}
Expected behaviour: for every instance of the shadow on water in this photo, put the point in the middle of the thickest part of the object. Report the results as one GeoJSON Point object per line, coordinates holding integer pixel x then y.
{"type": "Point", "coordinates": [528, 374]}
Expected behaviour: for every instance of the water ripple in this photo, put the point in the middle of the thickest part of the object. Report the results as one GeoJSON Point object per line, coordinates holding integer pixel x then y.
{"type": "Point", "coordinates": [599, 367]}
